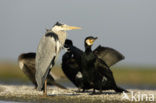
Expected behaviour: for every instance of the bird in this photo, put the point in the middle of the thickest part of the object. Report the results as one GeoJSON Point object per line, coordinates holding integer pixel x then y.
{"type": "Point", "coordinates": [71, 65]}
{"type": "Point", "coordinates": [71, 62]}
{"type": "Point", "coordinates": [26, 62]}
{"type": "Point", "coordinates": [95, 71]}
{"type": "Point", "coordinates": [47, 51]}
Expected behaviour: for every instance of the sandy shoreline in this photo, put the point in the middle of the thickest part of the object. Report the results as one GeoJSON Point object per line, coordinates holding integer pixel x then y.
{"type": "Point", "coordinates": [24, 93]}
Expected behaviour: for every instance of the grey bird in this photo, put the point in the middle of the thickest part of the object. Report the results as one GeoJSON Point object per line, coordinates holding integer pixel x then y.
{"type": "Point", "coordinates": [26, 62]}
{"type": "Point", "coordinates": [48, 49]}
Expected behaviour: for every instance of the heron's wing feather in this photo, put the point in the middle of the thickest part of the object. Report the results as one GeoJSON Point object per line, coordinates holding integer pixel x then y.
{"type": "Point", "coordinates": [46, 53]}
{"type": "Point", "coordinates": [109, 55]}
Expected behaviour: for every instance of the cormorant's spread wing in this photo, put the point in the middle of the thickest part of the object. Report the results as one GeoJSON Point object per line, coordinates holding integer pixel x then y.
{"type": "Point", "coordinates": [27, 60]}
{"type": "Point", "coordinates": [109, 55]}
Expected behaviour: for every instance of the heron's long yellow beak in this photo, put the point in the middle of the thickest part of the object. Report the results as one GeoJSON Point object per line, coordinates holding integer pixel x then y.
{"type": "Point", "coordinates": [67, 27]}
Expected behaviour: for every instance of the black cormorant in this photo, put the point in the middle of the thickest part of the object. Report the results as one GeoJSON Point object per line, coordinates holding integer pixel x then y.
{"type": "Point", "coordinates": [26, 63]}
{"type": "Point", "coordinates": [95, 71]}
{"type": "Point", "coordinates": [72, 59]}
{"type": "Point", "coordinates": [71, 65]}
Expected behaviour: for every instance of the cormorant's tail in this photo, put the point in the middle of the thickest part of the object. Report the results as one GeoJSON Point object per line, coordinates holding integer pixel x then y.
{"type": "Point", "coordinates": [58, 85]}
{"type": "Point", "coordinates": [51, 81]}
{"type": "Point", "coordinates": [120, 90]}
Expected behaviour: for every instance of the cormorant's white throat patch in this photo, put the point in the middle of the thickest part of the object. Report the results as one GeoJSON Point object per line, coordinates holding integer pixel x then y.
{"type": "Point", "coordinates": [89, 42]}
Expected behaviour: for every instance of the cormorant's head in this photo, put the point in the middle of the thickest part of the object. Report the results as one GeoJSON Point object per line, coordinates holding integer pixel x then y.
{"type": "Point", "coordinates": [89, 41]}
{"type": "Point", "coordinates": [68, 43]}
{"type": "Point", "coordinates": [63, 27]}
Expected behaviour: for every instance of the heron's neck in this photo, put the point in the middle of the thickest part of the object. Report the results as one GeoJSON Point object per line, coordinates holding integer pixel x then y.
{"type": "Point", "coordinates": [61, 35]}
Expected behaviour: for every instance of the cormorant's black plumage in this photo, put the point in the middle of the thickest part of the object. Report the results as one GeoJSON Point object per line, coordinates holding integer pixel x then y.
{"type": "Point", "coordinates": [96, 71]}
{"type": "Point", "coordinates": [71, 65]}
{"type": "Point", "coordinates": [109, 55]}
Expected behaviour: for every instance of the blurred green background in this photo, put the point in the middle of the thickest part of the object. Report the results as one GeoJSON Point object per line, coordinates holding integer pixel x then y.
{"type": "Point", "coordinates": [127, 76]}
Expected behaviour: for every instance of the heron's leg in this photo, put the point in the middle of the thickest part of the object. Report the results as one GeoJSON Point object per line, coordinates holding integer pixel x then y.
{"type": "Point", "coordinates": [45, 88]}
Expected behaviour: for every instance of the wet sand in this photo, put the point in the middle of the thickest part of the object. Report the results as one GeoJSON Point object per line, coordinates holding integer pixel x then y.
{"type": "Point", "coordinates": [27, 93]}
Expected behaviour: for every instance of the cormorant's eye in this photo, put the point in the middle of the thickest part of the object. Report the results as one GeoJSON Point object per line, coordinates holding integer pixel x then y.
{"type": "Point", "coordinates": [90, 40]}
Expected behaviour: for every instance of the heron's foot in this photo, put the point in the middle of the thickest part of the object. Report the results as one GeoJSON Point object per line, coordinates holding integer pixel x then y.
{"type": "Point", "coordinates": [45, 94]}
{"type": "Point", "coordinates": [35, 88]}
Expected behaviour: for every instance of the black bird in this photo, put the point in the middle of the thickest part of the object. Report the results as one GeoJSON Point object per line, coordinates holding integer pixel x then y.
{"type": "Point", "coordinates": [26, 63]}
{"type": "Point", "coordinates": [72, 58]}
{"type": "Point", "coordinates": [95, 71]}
{"type": "Point", "coordinates": [71, 65]}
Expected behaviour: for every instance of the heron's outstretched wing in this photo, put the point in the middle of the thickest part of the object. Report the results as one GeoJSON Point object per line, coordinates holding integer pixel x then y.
{"type": "Point", "coordinates": [48, 49]}
{"type": "Point", "coordinates": [109, 55]}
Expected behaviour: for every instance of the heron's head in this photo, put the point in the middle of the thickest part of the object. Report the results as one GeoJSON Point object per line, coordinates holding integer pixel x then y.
{"type": "Point", "coordinates": [89, 41]}
{"type": "Point", "coordinates": [63, 27]}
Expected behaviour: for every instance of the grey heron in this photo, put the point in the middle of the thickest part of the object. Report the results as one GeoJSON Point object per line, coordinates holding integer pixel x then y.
{"type": "Point", "coordinates": [48, 49]}
{"type": "Point", "coordinates": [26, 62]}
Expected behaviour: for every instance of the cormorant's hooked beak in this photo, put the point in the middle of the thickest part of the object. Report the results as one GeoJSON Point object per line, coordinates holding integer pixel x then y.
{"type": "Point", "coordinates": [95, 38]}
{"type": "Point", "coordinates": [67, 27]}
